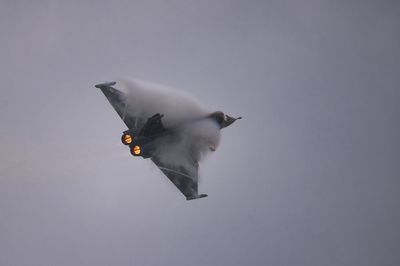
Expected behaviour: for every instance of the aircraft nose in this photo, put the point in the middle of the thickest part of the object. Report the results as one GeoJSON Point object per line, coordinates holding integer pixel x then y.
{"type": "Point", "coordinates": [105, 84]}
{"type": "Point", "coordinates": [229, 120]}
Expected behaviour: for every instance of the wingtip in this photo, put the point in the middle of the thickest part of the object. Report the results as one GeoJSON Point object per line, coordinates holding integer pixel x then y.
{"type": "Point", "coordinates": [105, 84]}
{"type": "Point", "coordinates": [197, 197]}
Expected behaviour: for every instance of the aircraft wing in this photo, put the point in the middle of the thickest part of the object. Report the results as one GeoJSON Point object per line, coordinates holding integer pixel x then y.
{"type": "Point", "coordinates": [183, 176]}
{"type": "Point", "coordinates": [118, 100]}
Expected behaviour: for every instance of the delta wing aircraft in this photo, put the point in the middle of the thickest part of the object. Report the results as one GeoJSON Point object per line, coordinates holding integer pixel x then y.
{"type": "Point", "coordinates": [142, 135]}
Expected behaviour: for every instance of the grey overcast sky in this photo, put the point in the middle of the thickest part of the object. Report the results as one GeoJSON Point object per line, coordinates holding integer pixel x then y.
{"type": "Point", "coordinates": [310, 176]}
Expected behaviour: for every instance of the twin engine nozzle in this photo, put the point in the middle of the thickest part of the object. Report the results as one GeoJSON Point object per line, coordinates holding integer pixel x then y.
{"type": "Point", "coordinates": [127, 139]}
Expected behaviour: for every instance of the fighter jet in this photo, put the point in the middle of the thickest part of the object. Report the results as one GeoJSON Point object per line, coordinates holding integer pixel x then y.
{"type": "Point", "coordinates": [143, 134]}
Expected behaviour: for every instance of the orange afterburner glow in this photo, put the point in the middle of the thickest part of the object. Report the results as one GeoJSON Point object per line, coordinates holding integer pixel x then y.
{"type": "Point", "coordinates": [136, 150]}
{"type": "Point", "coordinates": [126, 139]}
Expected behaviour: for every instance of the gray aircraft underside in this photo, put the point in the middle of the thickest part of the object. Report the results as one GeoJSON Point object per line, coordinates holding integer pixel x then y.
{"type": "Point", "coordinates": [144, 132]}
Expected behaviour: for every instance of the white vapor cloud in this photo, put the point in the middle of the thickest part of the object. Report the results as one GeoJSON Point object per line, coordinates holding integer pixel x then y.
{"type": "Point", "coordinates": [192, 137]}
